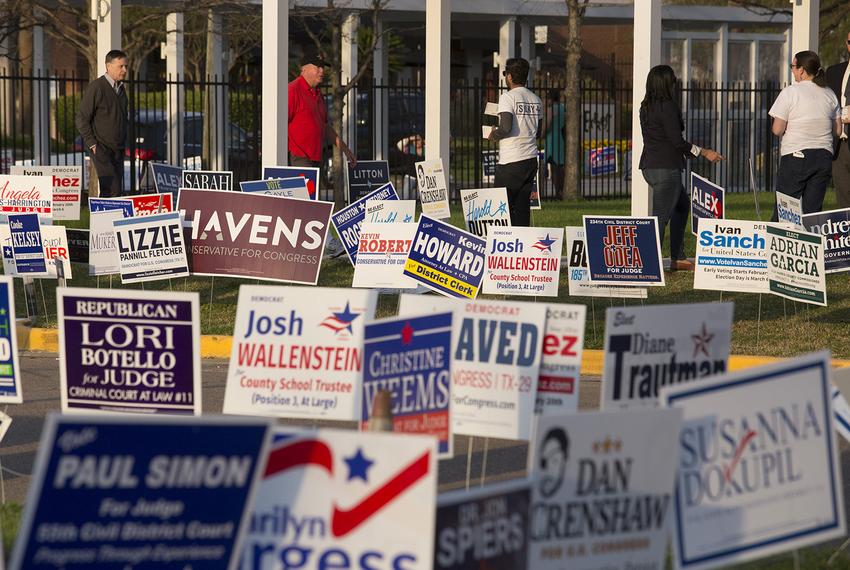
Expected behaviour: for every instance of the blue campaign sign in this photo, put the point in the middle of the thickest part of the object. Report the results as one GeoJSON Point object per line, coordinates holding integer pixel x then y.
{"type": "Point", "coordinates": [311, 174]}
{"type": "Point", "coordinates": [411, 358]}
{"type": "Point", "coordinates": [295, 187]}
{"type": "Point", "coordinates": [104, 497]}
{"type": "Point", "coordinates": [707, 201]}
{"type": "Point", "coordinates": [446, 259]}
{"type": "Point", "coordinates": [623, 250]}
{"type": "Point", "coordinates": [834, 226]}
{"type": "Point", "coordinates": [10, 370]}
{"type": "Point", "coordinates": [166, 178]}
{"type": "Point", "coordinates": [27, 248]}
{"type": "Point", "coordinates": [366, 176]}
{"type": "Point", "coordinates": [105, 204]}
{"type": "Point", "coordinates": [347, 221]}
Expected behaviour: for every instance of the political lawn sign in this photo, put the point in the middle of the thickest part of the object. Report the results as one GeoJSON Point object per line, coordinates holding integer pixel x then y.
{"type": "Point", "coordinates": [484, 208]}
{"type": "Point", "coordinates": [365, 177]}
{"type": "Point", "coordinates": [433, 191]}
{"type": "Point", "coordinates": [309, 174]}
{"type": "Point", "coordinates": [129, 351]}
{"type": "Point", "coordinates": [834, 226]}
{"type": "Point", "coordinates": [286, 187]}
{"type": "Point", "coordinates": [484, 528]}
{"type": "Point", "coordinates": [577, 273]}
{"type": "Point", "coordinates": [411, 358]}
{"type": "Point", "coordinates": [647, 348]}
{"type": "Point", "coordinates": [560, 364]}
{"type": "Point", "coordinates": [523, 261]}
{"type": "Point", "coordinates": [27, 248]}
{"type": "Point", "coordinates": [153, 492]}
{"type": "Point", "coordinates": [390, 211]}
{"type": "Point", "coordinates": [10, 369]}
{"type": "Point", "coordinates": [496, 362]}
{"type": "Point", "coordinates": [789, 210]}
{"type": "Point", "coordinates": [758, 470]}
{"type": "Point", "coordinates": [78, 245]}
{"type": "Point", "coordinates": [149, 204]}
{"type": "Point", "coordinates": [347, 221]}
{"type": "Point", "coordinates": [795, 265]}
{"type": "Point", "coordinates": [332, 498]}
{"type": "Point", "coordinates": [167, 179]}
{"type": "Point", "coordinates": [298, 352]}
{"type": "Point", "coordinates": [254, 236]}
{"type": "Point", "coordinates": [207, 180]}
{"type": "Point", "coordinates": [151, 248]}
{"type": "Point", "coordinates": [603, 490]}
{"type": "Point", "coordinates": [103, 247]}
{"type": "Point", "coordinates": [446, 259]}
{"type": "Point", "coordinates": [55, 244]}
{"type": "Point", "coordinates": [623, 250]}
{"type": "Point", "coordinates": [24, 194]}
{"type": "Point", "coordinates": [707, 201]}
{"type": "Point", "coordinates": [124, 205]}
{"type": "Point", "coordinates": [602, 160]}
{"type": "Point", "coordinates": [67, 187]}
{"type": "Point", "coordinates": [731, 255]}
{"type": "Point", "coordinates": [382, 254]}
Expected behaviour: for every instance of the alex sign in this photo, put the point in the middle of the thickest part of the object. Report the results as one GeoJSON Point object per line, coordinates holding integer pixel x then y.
{"type": "Point", "coordinates": [707, 200]}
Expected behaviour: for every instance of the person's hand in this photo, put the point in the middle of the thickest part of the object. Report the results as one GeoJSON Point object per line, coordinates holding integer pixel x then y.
{"type": "Point", "coordinates": [492, 135]}
{"type": "Point", "coordinates": [94, 149]}
{"type": "Point", "coordinates": [711, 155]}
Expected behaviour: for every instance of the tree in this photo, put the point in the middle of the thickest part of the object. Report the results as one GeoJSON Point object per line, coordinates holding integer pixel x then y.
{"type": "Point", "coordinates": [572, 100]}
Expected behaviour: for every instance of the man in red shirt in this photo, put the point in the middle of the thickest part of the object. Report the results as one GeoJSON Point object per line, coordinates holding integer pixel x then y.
{"type": "Point", "coordinates": [308, 117]}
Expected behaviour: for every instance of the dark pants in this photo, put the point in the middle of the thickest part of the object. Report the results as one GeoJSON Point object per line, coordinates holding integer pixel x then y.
{"type": "Point", "coordinates": [518, 178]}
{"type": "Point", "coordinates": [109, 165]}
{"type": "Point", "coordinates": [670, 204]}
{"type": "Point", "coordinates": [841, 174]}
{"type": "Point", "coordinates": [805, 178]}
{"type": "Point", "coordinates": [557, 171]}
{"type": "Point", "coordinates": [303, 162]}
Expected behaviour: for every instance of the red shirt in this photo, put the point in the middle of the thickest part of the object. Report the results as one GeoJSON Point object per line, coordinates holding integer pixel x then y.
{"type": "Point", "coordinates": [308, 117]}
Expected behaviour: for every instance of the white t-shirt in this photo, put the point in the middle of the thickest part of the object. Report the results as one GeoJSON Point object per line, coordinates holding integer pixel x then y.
{"type": "Point", "coordinates": [526, 109]}
{"type": "Point", "coordinates": [810, 112]}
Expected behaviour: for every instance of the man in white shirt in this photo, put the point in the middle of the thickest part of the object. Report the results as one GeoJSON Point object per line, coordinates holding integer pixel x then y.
{"type": "Point", "coordinates": [837, 77]}
{"type": "Point", "coordinates": [520, 112]}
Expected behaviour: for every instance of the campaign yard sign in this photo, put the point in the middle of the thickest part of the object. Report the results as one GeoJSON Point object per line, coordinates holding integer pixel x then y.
{"type": "Point", "coordinates": [446, 259]}
{"type": "Point", "coordinates": [623, 250]}
{"type": "Point", "coordinates": [603, 160]}
{"type": "Point", "coordinates": [647, 348]}
{"type": "Point", "coordinates": [789, 210]}
{"type": "Point", "coordinates": [129, 351]}
{"type": "Point", "coordinates": [348, 220]}
{"type": "Point", "coordinates": [365, 177]}
{"type": "Point", "coordinates": [577, 273]}
{"type": "Point", "coordinates": [150, 204]}
{"type": "Point", "coordinates": [153, 492]}
{"type": "Point", "coordinates": [254, 236]}
{"type": "Point", "coordinates": [390, 211]}
{"type": "Point", "coordinates": [707, 201]}
{"type": "Point", "coordinates": [496, 362]}
{"type": "Point", "coordinates": [298, 352]}
{"type": "Point", "coordinates": [167, 179]}
{"type": "Point", "coordinates": [207, 179]}
{"type": "Point", "coordinates": [309, 174]}
{"type": "Point", "coordinates": [603, 490]}
{"type": "Point", "coordinates": [56, 251]}
{"type": "Point", "coordinates": [151, 247]}
{"type": "Point", "coordinates": [10, 369]}
{"type": "Point", "coordinates": [731, 255]}
{"type": "Point", "coordinates": [433, 191]}
{"type": "Point", "coordinates": [103, 247]}
{"type": "Point", "coordinates": [560, 363]}
{"type": "Point", "coordinates": [21, 194]}
{"type": "Point", "coordinates": [523, 261]}
{"type": "Point", "coordinates": [124, 205]}
{"type": "Point", "coordinates": [795, 265]}
{"type": "Point", "coordinates": [411, 358]}
{"type": "Point", "coordinates": [67, 187]}
{"type": "Point", "coordinates": [287, 187]}
{"type": "Point", "coordinates": [484, 528]}
{"type": "Point", "coordinates": [27, 248]}
{"type": "Point", "coordinates": [346, 499]}
{"type": "Point", "coordinates": [834, 226]}
{"type": "Point", "coordinates": [381, 255]}
{"type": "Point", "coordinates": [78, 245]}
{"type": "Point", "coordinates": [484, 208]}
{"type": "Point", "coordinates": [758, 470]}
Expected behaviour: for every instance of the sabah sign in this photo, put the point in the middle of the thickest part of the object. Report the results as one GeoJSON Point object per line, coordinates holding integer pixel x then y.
{"type": "Point", "coordinates": [433, 192]}
{"type": "Point", "coordinates": [603, 490]}
{"type": "Point", "coordinates": [758, 470]}
{"type": "Point", "coordinates": [381, 256]}
{"type": "Point", "coordinates": [731, 255]}
{"type": "Point", "coordinates": [795, 267]}
{"type": "Point", "coordinates": [151, 247]}
{"type": "Point", "coordinates": [21, 194]}
{"type": "Point", "coordinates": [647, 348]}
{"type": "Point", "coordinates": [167, 179]}
{"type": "Point", "coordinates": [310, 175]}
{"type": "Point", "coordinates": [67, 187]}
{"type": "Point", "coordinates": [707, 201]}
{"type": "Point", "coordinates": [208, 179]}
{"type": "Point", "coordinates": [623, 250]}
{"type": "Point", "coordinates": [255, 236]}
{"type": "Point", "coordinates": [27, 247]}
{"type": "Point", "coordinates": [347, 221]}
{"type": "Point", "coordinates": [390, 211]}
{"type": "Point", "coordinates": [789, 210]}
{"type": "Point", "coordinates": [366, 177]}
{"type": "Point", "coordinates": [103, 496]}
{"type": "Point", "coordinates": [129, 351]}
{"type": "Point", "coordinates": [103, 247]}
{"type": "Point", "coordinates": [577, 274]}
{"type": "Point", "coordinates": [560, 365]}
{"type": "Point", "coordinates": [298, 352]}
{"type": "Point", "coordinates": [326, 495]}
{"type": "Point", "coordinates": [286, 187]}
{"type": "Point", "coordinates": [484, 208]}
{"type": "Point", "coordinates": [523, 261]}
{"type": "Point", "coordinates": [410, 357]}
{"type": "Point", "coordinates": [10, 369]}
{"type": "Point", "coordinates": [445, 259]}
{"type": "Point", "coordinates": [834, 226]}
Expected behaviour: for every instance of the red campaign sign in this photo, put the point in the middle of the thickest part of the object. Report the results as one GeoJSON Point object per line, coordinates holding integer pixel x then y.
{"type": "Point", "coordinates": [255, 236]}
{"type": "Point", "coordinates": [148, 204]}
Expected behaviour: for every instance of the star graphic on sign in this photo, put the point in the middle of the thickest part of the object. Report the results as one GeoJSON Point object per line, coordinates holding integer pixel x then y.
{"type": "Point", "coordinates": [701, 341]}
{"type": "Point", "coordinates": [346, 316]}
{"type": "Point", "coordinates": [406, 334]}
{"type": "Point", "coordinates": [358, 465]}
{"type": "Point", "coordinates": [544, 243]}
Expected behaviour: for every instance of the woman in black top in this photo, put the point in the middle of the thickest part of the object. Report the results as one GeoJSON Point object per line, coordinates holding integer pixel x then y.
{"type": "Point", "coordinates": [663, 159]}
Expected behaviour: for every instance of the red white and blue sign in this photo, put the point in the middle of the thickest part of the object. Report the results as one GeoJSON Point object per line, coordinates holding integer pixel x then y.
{"type": "Point", "coordinates": [603, 160]}
{"type": "Point", "coordinates": [707, 201]}
{"type": "Point", "coordinates": [105, 204]}
{"type": "Point", "coordinates": [295, 187]}
{"type": "Point", "coordinates": [411, 358]}
{"type": "Point", "coordinates": [311, 176]}
{"type": "Point", "coordinates": [348, 220]}
{"type": "Point", "coordinates": [27, 248]}
{"type": "Point", "coordinates": [104, 497]}
{"type": "Point", "coordinates": [10, 369]}
{"type": "Point", "coordinates": [623, 250]}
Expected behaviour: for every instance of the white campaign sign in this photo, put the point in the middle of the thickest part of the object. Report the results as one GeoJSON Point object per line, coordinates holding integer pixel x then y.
{"type": "Point", "coordinates": [560, 366]}
{"type": "Point", "coordinates": [67, 187]}
{"type": "Point", "coordinates": [381, 254]}
{"type": "Point", "coordinates": [390, 211]}
{"type": "Point", "coordinates": [795, 265]}
{"type": "Point", "coordinates": [758, 467]}
{"type": "Point", "coordinates": [485, 207]}
{"type": "Point", "coordinates": [495, 363]}
{"type": "Point", "coordinates": [21, 194]}
{"type": "Point", "coordinates": [103, 247]}
{"type": "Point", "coordinates": [523, 261]}
{"type": "Point", "coordinates": [151, 247]}
{"type": "Point", "coordinates": [647, 348]}
{"type": "Point", "coordinates": [731, 255]}
{"type": "Point", "coordinates": [578, 277]}
{"type": "Point", "coordinates": [54, 239]}
{"type": "Point", "coordinates": [433, 191]}
{"type": "Point", "coordinates": [603, 490]}
{"type": "Point", "coordinates": [789, 210]}
{"type": "Point", "coordinates": [297, 352]}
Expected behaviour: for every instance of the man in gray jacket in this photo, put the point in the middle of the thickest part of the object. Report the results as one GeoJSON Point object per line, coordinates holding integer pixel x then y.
{"type": "Point", "coordinates": [102, 121]}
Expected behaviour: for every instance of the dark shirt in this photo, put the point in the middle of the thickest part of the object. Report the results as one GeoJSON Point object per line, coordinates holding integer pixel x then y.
{"type": "Point", "coordinates": [663, 143]}
{"type": "Point", "coordinates": [102, 116]}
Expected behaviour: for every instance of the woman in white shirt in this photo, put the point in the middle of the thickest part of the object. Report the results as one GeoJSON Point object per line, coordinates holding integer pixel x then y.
{"type": "Point", "coordinates": [806, 115]}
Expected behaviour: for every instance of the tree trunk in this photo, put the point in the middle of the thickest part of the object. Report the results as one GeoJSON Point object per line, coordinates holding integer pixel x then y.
{"type": "Point", "coordinates": [572, 103]}
{"type": "Point", "coordinates": [339, 161]}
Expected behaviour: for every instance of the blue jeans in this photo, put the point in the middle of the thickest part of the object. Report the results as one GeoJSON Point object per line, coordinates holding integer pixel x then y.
{"type": "Point", "coordinates": [670, 204]}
